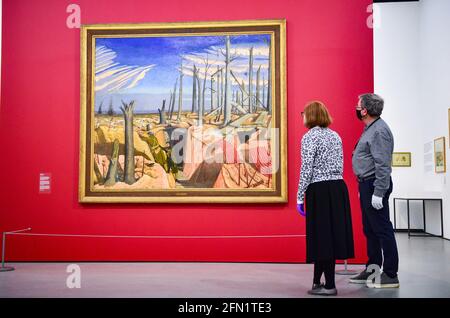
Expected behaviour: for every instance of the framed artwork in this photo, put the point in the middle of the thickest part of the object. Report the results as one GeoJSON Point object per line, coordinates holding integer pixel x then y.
{"type": "Point", "coordinates": [439, 155]}
{"type": "Point", "coordinates": [401, 159]}
{"type": "Point", "coordinates": [183, 112]}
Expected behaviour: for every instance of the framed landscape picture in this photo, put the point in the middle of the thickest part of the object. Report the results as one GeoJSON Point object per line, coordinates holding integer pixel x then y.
{"type": "Point", "coordinates": [401, 159]}
{"type": "Point", "coordinates": [183, 112]}
{"type": "Point", "coordinates": [439, 155]}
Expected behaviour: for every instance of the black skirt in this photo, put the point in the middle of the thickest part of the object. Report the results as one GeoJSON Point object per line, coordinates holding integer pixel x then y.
{"type": "Point", "coordinates": [329, 234]}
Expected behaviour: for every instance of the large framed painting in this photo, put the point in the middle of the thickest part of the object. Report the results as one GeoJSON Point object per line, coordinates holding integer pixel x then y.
{"type": "Point", "coordinates": [183, 112]}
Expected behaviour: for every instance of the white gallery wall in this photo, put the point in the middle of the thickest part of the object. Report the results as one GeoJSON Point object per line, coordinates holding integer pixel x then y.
{"type": "Point", "coordinates": [412, 73]}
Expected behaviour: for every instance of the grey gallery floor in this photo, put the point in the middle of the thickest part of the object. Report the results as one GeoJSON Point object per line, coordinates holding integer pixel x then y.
{"type": "Point", "coordinates": [424, 272]}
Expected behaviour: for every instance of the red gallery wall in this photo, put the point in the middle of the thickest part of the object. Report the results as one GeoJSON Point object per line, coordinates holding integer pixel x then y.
{"type": "Point", "coordinates": [329, 57]}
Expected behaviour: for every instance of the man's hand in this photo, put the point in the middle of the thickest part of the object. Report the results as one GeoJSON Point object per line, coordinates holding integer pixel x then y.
{"type": "Point", "coordinates": [377, 202]}
{"type": "Point", "coordinates": [301, 208]}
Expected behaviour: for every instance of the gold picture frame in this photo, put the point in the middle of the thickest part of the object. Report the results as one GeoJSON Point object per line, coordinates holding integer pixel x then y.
{"type": "Point", "coordinates": [440, 163]}
{"type": "Point", "coordinates": [108, 148]}
{"type": "Point", "coordinates": [401, 159]}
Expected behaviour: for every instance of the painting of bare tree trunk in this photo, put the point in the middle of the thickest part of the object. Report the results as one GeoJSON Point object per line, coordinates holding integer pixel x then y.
{"type": "Point", "coordinates": [221, 137]}
{"type": "Point", "coordinates": [127, 111]}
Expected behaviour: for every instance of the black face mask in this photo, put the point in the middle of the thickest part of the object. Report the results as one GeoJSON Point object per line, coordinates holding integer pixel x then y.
{"type": "Point", "coordinates": [358, 114]}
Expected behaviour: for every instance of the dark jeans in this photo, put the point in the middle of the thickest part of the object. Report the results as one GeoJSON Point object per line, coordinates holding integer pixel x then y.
{"type": "Point", "coordinates": [378, 230]}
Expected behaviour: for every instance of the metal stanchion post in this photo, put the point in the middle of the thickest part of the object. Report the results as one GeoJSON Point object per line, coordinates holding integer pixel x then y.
{"type": "Point", "coordinates": [8, 268]}
{"type": "Point", "coordinates": [4, 268]}
{"type": "Point", "coordinates": [346, 271]}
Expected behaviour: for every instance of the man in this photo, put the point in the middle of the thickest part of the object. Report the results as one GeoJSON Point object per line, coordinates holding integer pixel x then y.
{"type": "Point", "coordinates": [372, 165]}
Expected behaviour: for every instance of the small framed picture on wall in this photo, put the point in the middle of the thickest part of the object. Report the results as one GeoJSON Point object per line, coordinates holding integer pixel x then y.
{"type": "Point", "coordinates": [439, 155]}
{"type": "Point", "coordinates": [401, 159]}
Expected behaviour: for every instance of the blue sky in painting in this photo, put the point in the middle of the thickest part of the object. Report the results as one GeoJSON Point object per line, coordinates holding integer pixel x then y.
{"type": "Point", "coordinates": [152, 65]}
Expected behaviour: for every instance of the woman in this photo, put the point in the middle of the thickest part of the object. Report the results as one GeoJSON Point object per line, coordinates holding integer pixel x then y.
{"type": "Point", "coordinates": [321, 187]}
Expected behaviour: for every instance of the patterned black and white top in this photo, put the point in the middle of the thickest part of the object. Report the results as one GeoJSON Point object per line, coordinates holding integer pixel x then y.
{"type": "Point", "coordinates": [322, 158]}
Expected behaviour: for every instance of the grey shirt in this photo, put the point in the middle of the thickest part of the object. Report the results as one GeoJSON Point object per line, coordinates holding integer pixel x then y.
{"type": "Point", "coordinates": [373, 155]}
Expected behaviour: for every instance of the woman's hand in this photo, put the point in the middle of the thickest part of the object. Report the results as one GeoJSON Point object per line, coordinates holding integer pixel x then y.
{"type": "Point", "coordinates": [301, 208]}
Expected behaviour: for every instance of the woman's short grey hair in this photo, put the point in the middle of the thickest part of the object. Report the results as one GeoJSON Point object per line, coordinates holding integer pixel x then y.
{"type": "Point", "coordinates": [373, 103]}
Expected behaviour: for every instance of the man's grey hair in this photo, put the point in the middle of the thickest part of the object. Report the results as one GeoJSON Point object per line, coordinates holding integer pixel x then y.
{"type": "Point", "coordinates": [373, 103]}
